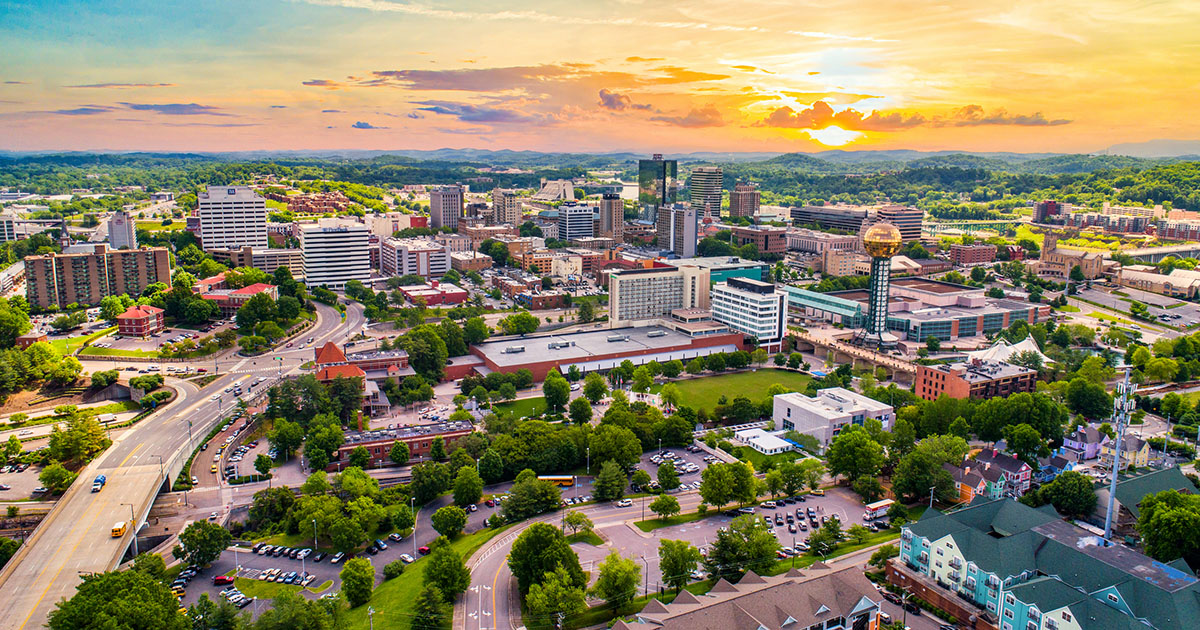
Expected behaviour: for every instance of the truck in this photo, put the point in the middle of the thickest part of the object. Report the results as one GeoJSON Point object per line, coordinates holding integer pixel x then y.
{"type": "Point", "coordinates": [99, 482]}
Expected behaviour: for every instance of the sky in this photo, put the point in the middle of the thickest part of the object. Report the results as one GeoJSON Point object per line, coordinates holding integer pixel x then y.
{"type": "Point", "coordinates": [597, 75]}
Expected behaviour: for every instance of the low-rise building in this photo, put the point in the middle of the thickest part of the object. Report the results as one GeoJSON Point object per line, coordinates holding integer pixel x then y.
{"type": "Point", "coordinates": [463, 262]}
{"type": "Point", "coordinates": [768, 239]}
{"type": "Point", "coordinates": [832, 410]}
{"type": "Point", "coordinates": [419, 439]}
{"type": "Point", "coordinates": [815, 242]}
{"type": "Point", "coordinates": [266, 259]}
{"type": "Point", "coordinates": [1131, 489]}
{"type": "Point", "coordinates": [1083, 444]}
{"type": "Point", "coordinates": [30, 338]}
{"type": "Point", "coordinates": [229, 301]}
{"type": "Point", "coordinates": [140, 321]}
{"type": "Point", "coordinates": [1009, 476]}
{"type": "Point", "coordinates": [1180, 283]}
{"type": "Point", "coordinates": [974, 379]}
{"type": "Point", "coordinates": [541, 300]}
{"type": "Point", "coordinates": [765, 442]}
{"type": "Point", "coordinates": [435, 293]}
{"type": "Point", "coordinates": [1135, 452]}
{"type": "Point", "coordinates": [974, 254]}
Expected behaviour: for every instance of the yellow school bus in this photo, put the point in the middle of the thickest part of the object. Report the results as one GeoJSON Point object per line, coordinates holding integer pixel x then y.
{"type": "Point", "coordinates": [118, 530]}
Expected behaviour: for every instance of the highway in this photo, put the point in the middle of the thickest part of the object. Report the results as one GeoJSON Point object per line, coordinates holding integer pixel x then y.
{"type": "Point", "coordinates": [74, 539]}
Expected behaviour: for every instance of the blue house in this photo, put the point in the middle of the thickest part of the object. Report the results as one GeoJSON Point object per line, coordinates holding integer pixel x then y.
{"type": "Point", "coordinates": [1051, 467]}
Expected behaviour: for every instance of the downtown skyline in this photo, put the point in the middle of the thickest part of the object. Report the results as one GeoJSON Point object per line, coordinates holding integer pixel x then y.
{"type": "Point", "coordinates": [596, 77]}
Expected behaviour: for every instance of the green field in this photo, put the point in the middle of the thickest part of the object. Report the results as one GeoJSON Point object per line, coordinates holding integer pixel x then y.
{"type": "Point", "coordinates": [524, 408]}
{"type": "Point", "coordinates": [116, 352]}
{"type": "Point", "coordinates": [393, 599]}
{"type": "Point", "coordinates": [589, 537]}
{"type": "Point", "coordinates": [70, 345]}
{"type": "Point", "coordinates": [703, 393]}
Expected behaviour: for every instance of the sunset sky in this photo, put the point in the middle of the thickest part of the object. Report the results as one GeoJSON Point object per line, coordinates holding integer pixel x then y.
{"type": "Point", "coordinates": [597, 75]}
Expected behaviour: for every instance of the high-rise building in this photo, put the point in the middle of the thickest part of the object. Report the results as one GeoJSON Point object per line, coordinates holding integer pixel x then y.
{"type": "Point", "coordinates": [506, 206]}
{"type": "Point", "coordinates": [641, 294]}
{"type": "Point", "coordinates": [752, 307]}
{"type": "Point", "coordinates": [612, 217]}
{"type": "Point", "coordinates": [744, 200]}
{"type": "Point", "coordinates": [656, 185]}
{"type": "Point", "coordinates": [575, 221]}
{"type": "Point", "coordinates": [121, 233]}
{"type": "Point", "coordinates": [705, 187]}
{"type": "Point", "coordinates": [907, 219]}
{"type": "Point", "coordinates": [231, 217]}
{"type": "Point", "coordinates": [1046, 209]}
{"type": "Point", "coordinates": [445, 206]}
{"type": "Point", "coordinates": [676, 228]}
{"type": "Point", "coordinates": [414, 256]}
{"type": "Point", "coordinates": [88, 277]}
{"type": "Point", "coordinates": [333, 256]}
{"type": "Point", "coordinates": [882, 241]}
{"type": "Point", "coordinates": [8, 228]}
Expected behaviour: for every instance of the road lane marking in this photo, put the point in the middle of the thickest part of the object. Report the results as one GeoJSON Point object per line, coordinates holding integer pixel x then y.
{"type": "Point", "coordinates": [54, 580]}
{"type": "Point", "coordinates": [135, 449]}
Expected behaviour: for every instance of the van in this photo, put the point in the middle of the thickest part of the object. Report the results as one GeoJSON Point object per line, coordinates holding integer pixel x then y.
{"type": "Point", "coordinates": [118, 530]}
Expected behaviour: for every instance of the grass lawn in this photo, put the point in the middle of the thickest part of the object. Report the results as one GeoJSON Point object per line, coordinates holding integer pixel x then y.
{"type": "Point", "coordinates": [589, 537]}
{"type": "Point", "coordinates": [703, 393]}
{"type": "Point", "coordinates": [524, 408]}
{"type": "Point", "coordinates": [116, 352]}
{"type": "Point", "coordinates": [71, 344]}
{"type": "Point", "coordinates": [393, 599]}
{"type": "Point", "coordinates": [1110, 318]}
{"type": "Point", "coordinates": [652, 524]}
{"type": "Point", "coordinates": [757, 459]}
{"type": "Point", "coordinates": [262, 589]}
{"type": "Point", "coordinates": [1067, 308]}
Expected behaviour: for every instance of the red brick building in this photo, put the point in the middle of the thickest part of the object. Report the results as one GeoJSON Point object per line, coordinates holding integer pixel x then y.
{"type": "Point", "coordinates": [768, 239]}
{"type": "Point", "coordinates": [230, 301]}
{"type": "Point", "coordinates": [435, 293]}
{"type": "Point", "coordinates": [30, 338]}
{"type": "Point", "coordinates": [140, 321]}
{"type": "Point", "coordinates": [419, 439]}
{"type": "Point", "coordinates": [974, 379]}
{"type": "Point", "coordinates": [972, 254]}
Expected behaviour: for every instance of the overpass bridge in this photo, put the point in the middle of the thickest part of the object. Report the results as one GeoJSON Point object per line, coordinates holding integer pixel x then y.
{"type": "Point", "coordinates": [1157, 254]}
{"type": "Point", "coordinates": [939, 227]}
{"type": "Point", "coordinates": [841, 353]}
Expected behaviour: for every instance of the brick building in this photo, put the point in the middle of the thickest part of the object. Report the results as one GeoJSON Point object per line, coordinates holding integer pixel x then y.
{"type": "Point", "coordinates": [768, 239]}
{"type": "Point", "coordinates": [972, 254]}
{"type": "Point", "coordinates": [419, 439]}
{"type": "Point", "coordinates": [140, 321]}
{"type": "Point", "coordinates": [87, 278]}
{"type": "Point", "coordinates": [974, 379]}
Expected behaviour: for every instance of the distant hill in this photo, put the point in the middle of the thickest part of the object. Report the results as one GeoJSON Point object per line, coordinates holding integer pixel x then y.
{"type": "Point", "coordinates": [1158, 148]}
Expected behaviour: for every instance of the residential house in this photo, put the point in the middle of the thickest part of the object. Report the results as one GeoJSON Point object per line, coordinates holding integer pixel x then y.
{"type": "Point", "coordinates": [1007, 476]}
{"type": "Point", "coordinates": [1134, 451]}
{"type": "Point", "coordinates": [970, 482]}
{"type": "Point", "coordinates": [1131, 489]}
{"type": "Point", "coordinates": [1051, 467]}
{"type": "Point", "coordinates": [1083, 444]}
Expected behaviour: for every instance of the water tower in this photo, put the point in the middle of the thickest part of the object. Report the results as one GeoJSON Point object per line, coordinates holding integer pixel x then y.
{"type": "Point", "coordinates": [882, 241]}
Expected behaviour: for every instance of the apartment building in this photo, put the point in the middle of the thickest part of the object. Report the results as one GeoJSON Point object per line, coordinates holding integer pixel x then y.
{"type": "Point", "coordinates": [907, 219]}
{"type": "Point", "coordinates": [575, 221]}
{"type": "Point", "coordinates": [88, 277]}
{"type": "Point", "coordinates": [335, 255]}
{"type": "Point", "coordinates": [825, 415]}
{"type": "Point", "coordinates": [612, 217]}
{"type": "Point", "coordinates": [414, 256]}
{"type": "Point", "coordinates": [744, 200]}
{"type": "Point", "coordinates": [231, 217]}
{"type": "Point", "coordinates": [814, 242]}
{"type": "Point", "coordinates": [446, 206]}
{"type": "Point", "coordinates": [975, 378]}
{"type": "Point", "coordinates": [8, 228]}
{"type": "Point", "coordinates": [768, 239]}
{"type": "Point", "coordinates": [506, 206]}
{"type": "Point", "coordinates": [122, 232]}
{"type": "Point", "coordinates": [478, 233]}
{"type": "Point", "coordinates": [752, 307]}
{"type": "Point", "coordinates": [676, 228]}
{"type": "Point", "coordinates": [463, 262]}
{"type": "Point", "coordinates": [973, 254]}
{"type": "Point", "coordinates": [455, 242]}
{"type": "Point", "coordinates": [267, 259]}
{"type": "Point", "coordinates": [705, 187]}
{"type": "Point", "coordinates": [642, 294]}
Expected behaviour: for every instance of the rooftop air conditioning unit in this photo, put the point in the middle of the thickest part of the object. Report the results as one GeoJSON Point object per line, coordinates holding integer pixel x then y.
{"type": "Point", "coordinates": [657, 333]}
{"type": "Point", "coordinates": [617, 338]}
{"type": "Point", "coordinates": [514, 349]}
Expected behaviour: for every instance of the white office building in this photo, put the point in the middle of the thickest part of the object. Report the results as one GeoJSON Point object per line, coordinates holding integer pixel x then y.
{"type": "Point", "coordinates": [121, 232]}
{"type": "Point", "coordinates": [575, 221]}
{"type": "Point", "coordinates": [8, 228]}
{"type": "Point", "coordinates": [825, 416]}
{"type": "Point", "coordinates": [752, 307]}
{"type": "Point", "coordinates": [334, 255]}
{"type": "Point", "coordinates": [705, 185]}
{"type": "Point", "coordinates": [232, 217]}
{"type": "Point", "coordinates": [414, 256]}
{"type": "Point", "coordinates": [445, 206]}
{"type": "Point", "coordinates": [636, 295]}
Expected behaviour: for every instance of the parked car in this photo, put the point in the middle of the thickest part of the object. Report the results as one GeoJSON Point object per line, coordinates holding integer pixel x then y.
{"type": "Point", "coordinates": [337, 557]}
{"type": "Point", "coordinates": [221, 580]}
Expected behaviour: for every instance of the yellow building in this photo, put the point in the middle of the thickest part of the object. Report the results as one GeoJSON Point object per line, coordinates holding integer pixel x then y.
{"type": "Point", "coordinates": [1134, 452]}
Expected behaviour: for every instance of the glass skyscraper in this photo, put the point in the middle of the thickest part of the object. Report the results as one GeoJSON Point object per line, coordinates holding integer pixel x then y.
{"type": "Point", "coordinates": [656, 185]}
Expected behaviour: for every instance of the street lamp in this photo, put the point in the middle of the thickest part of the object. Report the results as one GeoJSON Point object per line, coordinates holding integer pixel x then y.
{"type": "Point", "coordinates": [589, 460]}
{"type": "Point", "coordinates": [133, 525]}
{"type": "Point", "coordinates": [412, 501]}
{"type": "Point", "coordinates": [160, 465]}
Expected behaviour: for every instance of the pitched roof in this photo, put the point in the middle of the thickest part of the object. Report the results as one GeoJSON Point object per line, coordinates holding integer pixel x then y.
{"type": "Point", "coordinates": [1131, 490]}
{"type": "Point", "coordinates": [257, 287]}
{"type": "Point", "coordinates": [140, 312]}
{"type": "Point", "coordinates": [343, 371]}
{"type": "Point", "coordinates": [330, 353]}
{"type": "Point", "coordinates": [1008, 463]}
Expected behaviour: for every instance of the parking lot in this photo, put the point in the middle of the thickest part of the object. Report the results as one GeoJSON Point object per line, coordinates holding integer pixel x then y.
{"type": "Point", "coordinates": [1180, 314]}
{"type": "Point", "coordinates": [16, 484]}
{"type": "Point", "coordinates": [688, 465]}
{"type": "Point", "coordinates": [837, 502]}
{"type": "Point", "coordinates": [157, 340]}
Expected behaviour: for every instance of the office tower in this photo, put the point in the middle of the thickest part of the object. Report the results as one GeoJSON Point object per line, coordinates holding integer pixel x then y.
{"type": "Point", "coordinates": [907, 219]}
{"type": "Point", "coordinates": [612, 217]}
{"type": "Point", "coordinates": [445, 206]}
{"type": "Point", "coordinates": [575, 221]}
{"type": "Point", "coordinates": [8, 228]}
{"type": "Point", "coordinates": [335, 255]}
{"type": "Point", "coordinates": [1046, 209]}
{"type": "Point", "coordinates": [88, 277]}
{"type": "Point", "coordinates": [656, 185]}
{"type": "Point", "coordinates": [121, 234]}
{"type": "Point", "coordinates": [640, 294]}
{"type": "Point", "coordinates": [882, 241]}
{"type": "Point", "coordinates": [752, 307]}
{"type": "Point", "coordinates": [414, 256]}
{"type": "Point", "coordinates": [705, 186]}
{"type": "Point", "coordinates": [676, 227]}
{"type": "Point", "coordinates": [849, 218]}
{"type": "Point", "coordinates": [232, 217]}
{"type": "Point", "coordinates": [506, 206]}
{"type": "Point", "coordinates": [744, 200]}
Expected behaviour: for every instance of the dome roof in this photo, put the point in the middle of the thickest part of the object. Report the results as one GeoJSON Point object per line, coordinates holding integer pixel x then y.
{"type": "Point", "coordinates": [882, 240]}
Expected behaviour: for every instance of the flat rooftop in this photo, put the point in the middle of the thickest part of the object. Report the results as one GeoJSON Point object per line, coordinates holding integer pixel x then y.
{"type": "Point", "coordinates": [714, 262]}
{"type": "Point", "coordinates": [931, 286]}
{"type": "Point", "coordinates": [379, 435]}
{"type": "Point", "coordinates": [1119, 557]}
{"type": "Point", "coordinates": [581, 346]}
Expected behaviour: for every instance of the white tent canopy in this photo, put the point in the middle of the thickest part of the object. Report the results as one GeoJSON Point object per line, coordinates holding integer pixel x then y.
{"type": "Point", "coordinates": [1003, 351]}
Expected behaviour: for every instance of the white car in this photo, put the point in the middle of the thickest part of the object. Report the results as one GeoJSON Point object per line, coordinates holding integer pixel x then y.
{"type": "Point", "coordinates": [215, 397]}
{"type": "Point", "coordinates": [624, 503]}
{"type": "Point", "coordinates": [407, 559]}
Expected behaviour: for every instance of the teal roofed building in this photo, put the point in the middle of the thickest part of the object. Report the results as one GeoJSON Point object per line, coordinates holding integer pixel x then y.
{"type": "Point", "coordinates": [1024, 568]}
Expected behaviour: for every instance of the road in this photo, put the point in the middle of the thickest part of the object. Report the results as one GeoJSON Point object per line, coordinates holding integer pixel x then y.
{"type": "Point", "coordinates": [74, 539]}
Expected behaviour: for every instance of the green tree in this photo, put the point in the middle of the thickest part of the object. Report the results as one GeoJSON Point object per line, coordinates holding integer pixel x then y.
{"type": "Point", "coordinates": [399, 453]}
{"type": "Point", "coordinates": [430, 609]}
{"type": "Point", "coordinates": [203, 542]}
{"type": "Point", "coordinates": [917, 473]}
{"type": "Point", "coordinates": [449, 521]}
{"type": "Point", "coordinates": [883, 554]}
{"type": "Point", "coordinates": [119, 600]}
{"type": "Point", "coordinates": [642, 379]}
{"type": "Point", "coordinates": [826, 539]}
{"type": "Point", "coordinates": [557, 391]}
{"type": "Point", "coordinates": [665, 506]}
{"type": "Point", "coordinates": [286, 437]}
{"type": "Point", "coordinates": [594, 387]}
{"type": "Point", "coordinates": [519, 324]}
{"type": "Point", "coordinates": [580, 411]}
{"type": "Point", "coordinates": [262, 464]}
{"type": "Point", "coordinates": [668, 478]}
{"type": "Point", "coordinates": [475, 331]}
{"type": "Point", "coordinates": [103, 379]}
{"type": "Point", "coordinates": [618, 580]}
{"type": "Point", "coordinates": [556, 597]}
{"type": "Point", "coordinates": [402, 517]}
{"type": "Point", "coordinates": [578, 521]}
{"type": "Point", "coordinates": [1026, 443]}
{"type": "Point", "coordinates": [359, 457]}
{"type": "Point", "coordinates": [745, 545]}
{"type": "Point", "coordinates": [429, 479]}
{"type": "Point", "coordinates": [616, 443]}
{"type": "Point", "coordinates": [540, 550]}
{"type": "Point", "coordinates": [358, 581]}
{"type": "Point", "coordinates": [1071, 493]}
{"type": "Point", "coordinates": [446, 571]}
{"type": "Point", "coordinates": [610, 483]}
{"type": "Point", "coordinates": [640, 479]}
{"type": "Point", "coordinates": [491, 466]}
{"type": "Point", "coordinates": [56, 478]}
{"type": "Point", "coordinates": [427, 352]}
{"type": "Point", "coordinates": [151, 564]}
{"type": "Point", "coordinates": [468, 486]}
{"type": "Point", "coordinates": [853, 454]}
{"type": "Point", "coordinates": [670, 395]}
{"type": "Point", "coordinates": [677, 559]}
{"type": "Point", "coordinates": [868, 488]}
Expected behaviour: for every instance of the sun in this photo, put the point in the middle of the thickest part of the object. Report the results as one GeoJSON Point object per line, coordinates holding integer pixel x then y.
{"type": "Point", "coordinates": [833, 136]}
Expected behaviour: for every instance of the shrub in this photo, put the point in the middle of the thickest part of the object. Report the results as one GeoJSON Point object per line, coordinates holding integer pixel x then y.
{"type": "Point", "coordinates": [393, 569]}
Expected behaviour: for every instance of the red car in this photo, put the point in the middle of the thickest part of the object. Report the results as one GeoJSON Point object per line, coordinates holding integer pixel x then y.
{"type": "Point", "coordinates": [423, 550]}
{"type": "Point", "coordinates": [221, 580]}
{"type": "Point", "coordinates": [490, 503]}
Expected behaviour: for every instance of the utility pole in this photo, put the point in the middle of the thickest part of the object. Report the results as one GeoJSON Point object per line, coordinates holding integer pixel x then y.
{"type": "Point", "coordinates": [133, 525]}
{"type": "Point", "coordinates": [371, 617]}
{"type": "Point", "coordinates": [931, 490]}
{"type": "Point", "coordinates": [1122, 407]}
